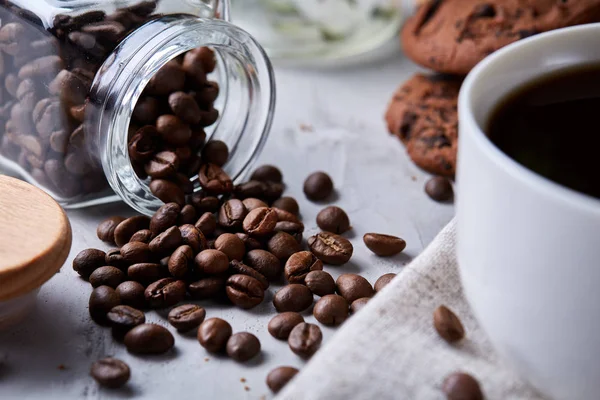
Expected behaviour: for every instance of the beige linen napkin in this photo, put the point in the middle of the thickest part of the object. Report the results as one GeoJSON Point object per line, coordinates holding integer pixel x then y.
{"type": "Point", "coordinates": [390, 350]}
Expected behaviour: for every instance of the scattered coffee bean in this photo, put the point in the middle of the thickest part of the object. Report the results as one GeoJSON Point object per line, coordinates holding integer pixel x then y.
{"type": "Point", "coordinates": [102, 300]}
{"type": "Point", "coordinates": [320, 283]}
{"type": "Point", "coordinates": [237, 267]}
{"type": "Point", "coordinates": [214, 180]}
{"type": "Point", "coordinates": [185, 107]}
{"type": "Point", "coordinates": [252, 203]}
{"type": "Point", "coordinates": [282, 245]}
{"type": "Point", "coordinates": [243, 346]}
{"type": "Point", "coordinates": [288, 204]}
{"type": "Point", "coordinates": [447, 325]}
{"type": "Point", "coordinates": [186, 317]}
{"type": "Point", "coordinates": [124, 318]}
{"type": "Point", "coordinates": [439, 188]}
{"type": "Point", "coordinates": [187, 215]}
{"type": "Point", "coordinates": [267, 173]}
{"type": "Point", "coordinates": [164, 218]}
{"type": "Point", "coordinates": [283, 215]}
{"type": "Point", "coordinates": [114, 258]}
{"type": "Point", "coordinates": [213, 334]}
{"type": "Point", "coordinates": [333, 219]}
{"type": "Point", "coordinates": [299, 265]}
{"type": "Point", "coordinates": [294, 297]}
{"type": "Point", "coordinates": [383, 281]}
{"type": "Point", "coordinates": [331, 248]}
{"type": "Point", "coordinates": [212, 262]}
{"type": "Point", "coordinates": [166, 242]}
{"type": "Point", "coordinates": [264, 262]}
{"type": "Point", "coordinates": [461, 386]}
{"type": "Point", "coordinates": [144, 236]}
{"type": "Point", "coordinates": [251, 189]}
{"type": "Point", "coordinates": [204, 203]}
{"type": "Point", "coordinates": [358, 304]}
{"type": "Point", "coordinates": [384, 245]}
{"type": "Point", "coordinates": [125, 230]}
{"type": "Point", "coordinates": [136, 252]}
{"type": "Point", "coordinates": [149, 339]}
{"type": "Point", "coordinates": [331, 310]}
{"type": "Point", "coordinates": [180, 261]}
{"type": "Point", "coordinates": [233, 247]}
{"type": "Point", "coordinates": [146, 273]}
{"type": "Point", "coordinates": [167, 191]}
{"type": "Point", "coordinates": [279, 377]}
{"type": "Point", "coordinates": [110, 372]}
{"type": "Point", "coordinates": [132, 294]}
{"type": "Point", "coordinates": [305, 339]}
{"type": "Point", "coordinates": [244, 291]}
{"type": "Point", "coordinates": [352, 287]}
{"type": "Point", "coordinates": [232, 214]}
{"type": "Point", "coordinates": [87, 261]}
{"type": "Point", "coordinates": [207, 288]}
{"type": "Point", "coordinates": [260, 221]}
{"type": "Point", "coordinates": [250, 243]}
{"type": "Point", "coordinates": [165, 292]}
{"type": "Point", "coordinates": [193, 237]}
{"type": "Point", "coordinates": [106, 275]}
{"type": "Point", "coordinates": [318, 186]}
{"type": "Point", "coordinates": [207, 223]}
{"type": "Point", "coordinates": [215, 152]}
{"type": "Point", "coordinates": [106, 229]}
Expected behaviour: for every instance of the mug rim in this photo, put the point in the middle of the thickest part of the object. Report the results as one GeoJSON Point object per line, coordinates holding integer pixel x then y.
{"type": "Point", "coordinates": [491, 151]}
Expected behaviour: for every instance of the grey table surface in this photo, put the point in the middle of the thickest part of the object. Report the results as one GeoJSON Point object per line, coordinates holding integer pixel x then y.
{"type": "Point", "coordinates": [329, 120]}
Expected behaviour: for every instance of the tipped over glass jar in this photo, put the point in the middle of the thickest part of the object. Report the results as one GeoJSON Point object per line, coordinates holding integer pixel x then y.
{"type": "Point", "coordinates": [102, 100]}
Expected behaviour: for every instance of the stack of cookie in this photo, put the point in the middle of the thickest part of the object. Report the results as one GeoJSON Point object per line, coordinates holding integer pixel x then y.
{"type": "Point", "coordinates": [450, 37]}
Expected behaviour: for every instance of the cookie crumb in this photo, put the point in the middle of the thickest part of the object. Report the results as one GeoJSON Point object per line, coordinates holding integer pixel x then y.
{"type": "Point", "coordinates": [243, 380]}
{"type": "Point", "coordinates": [246, 388]}
{"type": "Point", "coordinates": [306, 128]}
{"type": "Point", "coordinates": [414, 178]}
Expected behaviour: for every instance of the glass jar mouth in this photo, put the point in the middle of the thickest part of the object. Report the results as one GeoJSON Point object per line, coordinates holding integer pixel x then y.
{"type": "Point", "coordinates": [246, 102]}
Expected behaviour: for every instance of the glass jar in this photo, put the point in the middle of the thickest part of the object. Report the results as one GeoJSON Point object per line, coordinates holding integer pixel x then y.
{"type": "Point", "coordinates": [319, 29]}
{"type": "Point", "coordinates": [86, 85]}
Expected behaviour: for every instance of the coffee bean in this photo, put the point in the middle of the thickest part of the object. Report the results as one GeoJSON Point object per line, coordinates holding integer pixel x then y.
{"type": "Point", "coordinates": [149, 339]}
{"type": "Point", "coordinates": [264, 262]}
{"type": "Point", "coordinates": [145, 273]}
{"type": "Point", "coordinates": [186, 317]}
{"type": "Point", "coordinates": [166, 242]}
{"type": "Point", "coordinates": [136, 252]}
{"type": "Point", "coordinates": [461, 386]}
{"type": "Point", "coordinates": [114, 258]}
{"type": "Point", "coordinates": [231, 245]}
{"type": "Point", "coordinates": [243, 346]}
{"type": "Point", "coordinates": [69, 86]}
{"type": "Point", "coordinates": [212, 262]}
{"type": "Point", "coordinates": [260, 221]}
{"type": "Point", "coordinates": [293, 228]}
{"type": "Point", "coordinates": [299, 265]}
{"type": "Point", "coordinates": [143, 144]}
{"type": "Point", "coordinates": [173, 130]}
{"type": "Point", "coordinates": [105, 31]}
{"type": "Point", "coordinates": [237, 267]}
{"type": "Point", "coordinates": [439, 188]}
{"type": "Point", "coordinates": [194, 70]}
{"type": "Point", "coordinates": [180, 261]}
{"type": "Point", "coordinates": [143, 8]}
{"type": "Point", "coordinates": [187, 215]}
{"type": "Point", "coordinates": [163, 164]}
{"type": "Point", "coordinates": [282, 245]}
{"type": "Point", "coordinates": [207, 94]}
{"type": "Point", "coordinates": [167, 191]}
{"type": "Point", "coordinates": [87, 261]}
{"type": "Point", "coordinates": [267, 173]}
{"type": "Point", "coordinates": [318, 186]}
{"type": "Point", "coordinates": [285, 216]}
{"type": "Point", "coordinates": [193, 237]}
{"type": "Point", "coordinates": [125, 230]}
{"type": "Point", "coordinates": [207, 288]}
{"type": "Point", "coordinates": [170, 78]}
{"type": "Point", "coordinates": [384, 245]}
{"type": "Point", "coordinates": [320, 283]}
{"type": "Point", "coordinates": [305, 339]}
{"type": "Point", "coordinates": [164, 293]}
{"type": "Point", "coordinates": [244, 291]}
{"type": "Point", "coordinates": [207, 223]}
{"type": "Point", "coordinates": [333, 219]}
{"type": "Point", "coordinates": [214, 180]}
{"type": "Point", "coordinates": [106, 275]}
{"type": "Point", "coordinates": [213, 334]}
{"type": "Point", "coordinates": [110, 372]}
{"type": "Point", "coordinates": [185, 107]}
{"type": "Point", "coordinates": [132, 294]}
{"type": "Point", "coordinates": [447, 325]}
{"type": "Point", "coordinates": [102, 300]}
{"type": "Point", "coordinates": [252, 203]}
{"type": "Point", "coordinates": [124, 318]}
{"type": "Point", "coordinates": [250, 189]}
{"type": "Point", "coordinates": [232, 214]}
{"type": "Point", "coordinates": [282, 324]}
{"type": "Point", "coordinates": [249, 242]}
{"type": "Point", "coordinates": [215, 152]}
{"type": "Point", "coordinates": [288, 204]}
{"type": "Point", "coordinates": [383, 281]}
{"type": "Point", "coordinates": [41, 67]}
{"type": "Point", "coordinates": [273, 191]}
{"type": "Point", "coordinates": [358, 304]}
{"type": "Point", "coordinates": [331, 310]}
{"type": "Point", "coordinates": [353, 286]}
{"type": "Point", "coordinates": [146, 110]}
{"type": "Point", "coordinates": [294, 297]}
{"type": "Point", "coordinates": [279, 377]}
{"type": "Point", "coordinates": [331, 248]}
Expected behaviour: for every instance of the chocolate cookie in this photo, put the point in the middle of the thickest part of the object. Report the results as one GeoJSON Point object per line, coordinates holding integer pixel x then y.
{"type": "Point", "coordinates": [423, 114]}
{"type": "Point", "coordinates": [452, 36]}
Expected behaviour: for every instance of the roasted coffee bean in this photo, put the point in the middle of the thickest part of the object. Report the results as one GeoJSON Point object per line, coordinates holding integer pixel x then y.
{"type": "Point", "coordinates": [283, 245]}
{"type": "Point", "coordinates": [166, 242]}
{"type": "Point", "coordinates": [231, 245]}
{"type": "Point", "coordinates": [207, 288]}
{"type": "Point", "coordinates": [136, 252]}
{"type": "Point", "coordinates": [260, 221]}
{"type": "Point", "coordinates": [265, 263]}
{"type": "Point", "coordinates": [288, 204]}
{"type": "Point", "coordinates": [273, 191]}
{"type": "Point", "coordinates": [305, 339]}
{"type": "Point", "coordinates": [213, 334]}
{"type": "Point", "coordinates": [384, 245]}
{"type": "Point", "coordinates": [149, 339]}
{"type": "Point", "coordinates": [249, 242]}
{"type": "Point", "coordinates": [214, 180]}
{"type": "Point", "coordinates": [331, 248]}
{"type": "Point", "coordinates": [167, 191]}
{"type": "Point", "coordinates": [105, 31]}
{"type": "Point", "coordinates": [124, 318]}
{"type": "Point", "coordinates": [244, 291]}
{"type": "Point", "coordinates": [163, 164]}
{"type": "Point", "coordinates": [71, 87]}
{"type": "Point", "coordinates": [383, 281]}
{"type": "Point", "coordinates": [192, 65]}
{"type": "Point", "coordinates": [193, 237]}
{"type": "Point", "coordinates": [187, 215]}
{"type": "Point", "coordinates": [13, 37]}
{"type": "Point", "coordinates": [250, 189]}
{"type": "Point", "coordinates": [331, 310]}
{"type": "Point", "coordinates": [110, 372]}
{"type": "Point", "coordinates": [353, 286]}
{"type": "Point", "coordinates": [27, 94]}
{"type": "Point", "coordinates": [333, 219]}
{"type": "Point", "coordinates": [267, 173]}
{"type": "Point", "coordinates": [87, 261]}
{"type": "Point", "coordinates": [11, 84]}
{"type": "Point", "coordinates": [279, 377]}
{"type": "Point", "coordinates": [144, 236]}
{"type": "Point", "coordinates": [232, 214]}
{"type": "Point", "coordinates": [114, 258]}
{"type": "Point", "coordinates": [77, 112]}
{"type": "Point", "coordinates": [243, 346]}
{"type": "Point", "coordinates": [146, 273]}
{"type": "Point", "coordinates": [47, 116]}
{"type": "Point", "coordinates": [461, 386]}
{"type": "Point", "coordinates": [102, 300]}
{"type": "Point", "coordinates": [106, 275]}
{"type": "Point", "coordinates": [185, 107]}
{"type": "Point", "coordinates": [132, 294]}
{"type": "Point", "coordinates": [299, 265]}
{"type": "Point", "coordinates": [143, 144]}
{"type": "Point", "coordinates": [447, 325]}
{"type": "Point", "coordinates": [170, 78]}
{"type": "Point", "coordinates": [282, 324]}
{"type": "Point", "coordinates": [252, 203]}
{"type": "Point", "coordinates": [180, 261]}
{"type": "Point", "coordinates": [204, 203]}
{"type": "Point", "coordinates": [285, 216]}
{"type": "Point", "coordinates": [320, 283]}
{"type": "Point", "coordinates": [207, 223]}
{"type": "Point", "coordinates": [41, 67]}
{"type": "Point", "coordinates": [125, 230]}
{"type": "Point", "coordinates": [293, 228]}
{"type": "Point", "coordinates": [358, 304]}
{"type": "Point", "coordinates": [186, 317]}
{"type": "Point", "coordinates": [215, 152]}
{"type": "Point", "coordinates": [237, 267]}
{"type": "Point", "coordinates": [439, 188]}
{"type": "Point", "coordinates": [143, 8]}
{"type": "Point", "coordinates": [212, 262]}
{"type": "Point", "coordinates": [173, 130]}
{"type": "Point", "coordinates": [318, 186]}
{"type": "Point", "coordinates": [207, 94]}
{"type": "Point", "coordinates": [165, 292]}
{"type": "Point", "coordinates": [146, 110]}
{"type": "Point", "coordinates": [294, 297]}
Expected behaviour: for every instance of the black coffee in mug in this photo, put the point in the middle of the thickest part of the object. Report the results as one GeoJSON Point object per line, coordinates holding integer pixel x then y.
{"type": "Point", "coordinates": [552, 126]}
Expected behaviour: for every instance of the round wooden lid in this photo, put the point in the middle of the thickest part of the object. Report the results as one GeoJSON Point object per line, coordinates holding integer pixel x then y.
{"type": "Point", "coordinates": [35, 237]}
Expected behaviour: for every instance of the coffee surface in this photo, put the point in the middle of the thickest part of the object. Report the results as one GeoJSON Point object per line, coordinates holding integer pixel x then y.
{"type": "Point", "coordinates": [552, 126]}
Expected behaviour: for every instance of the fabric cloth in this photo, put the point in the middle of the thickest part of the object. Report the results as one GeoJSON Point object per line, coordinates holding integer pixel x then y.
{"type": "Point", "coordinates": [390, 350]}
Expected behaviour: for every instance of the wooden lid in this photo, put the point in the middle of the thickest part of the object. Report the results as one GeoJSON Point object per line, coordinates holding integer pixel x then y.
{"type": "Point", "coordinates": [35, 237]}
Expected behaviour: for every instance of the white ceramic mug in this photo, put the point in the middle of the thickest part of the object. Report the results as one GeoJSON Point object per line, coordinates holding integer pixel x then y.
{"type": "Point", "coordinates": [528, 248]}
